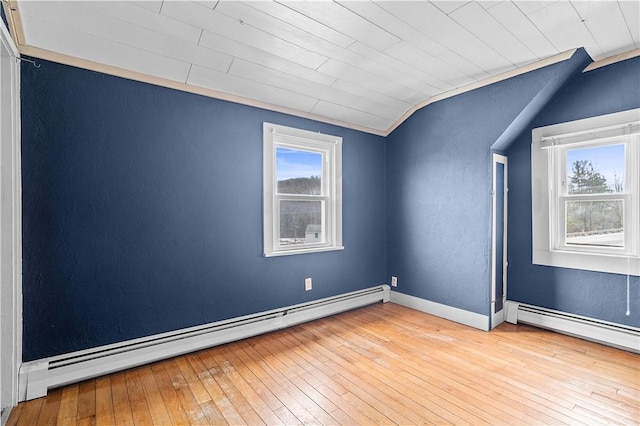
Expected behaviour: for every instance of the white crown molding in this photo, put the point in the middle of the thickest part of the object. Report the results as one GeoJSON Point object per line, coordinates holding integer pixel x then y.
{"type": "Point", "coordinates": [612, 60]}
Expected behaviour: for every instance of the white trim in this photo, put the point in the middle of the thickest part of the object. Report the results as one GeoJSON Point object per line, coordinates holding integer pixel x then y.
{"type": "Point", "coordinates": [10, 224]}
{"type": "Point", "coordinates": [330, 149]}
{"type": "Point", "coordinates": [36, 377]}
{"type": "Point", "coordinates": [545, 249]}
{"type": "Point", "coordinates": [451, 313]}
{"type": "Point", "coordinates": [612, 60]}
{"type": "Point", "coordinates": [604, 332]}
{"type": "Point", "coordinates": [498, 317]}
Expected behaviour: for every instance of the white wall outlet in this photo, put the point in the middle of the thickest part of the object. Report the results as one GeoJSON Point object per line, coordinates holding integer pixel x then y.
{"type": "Point", "coordinates": [394, 281]}
{"type": "Point", "coordinates": [307, 284]}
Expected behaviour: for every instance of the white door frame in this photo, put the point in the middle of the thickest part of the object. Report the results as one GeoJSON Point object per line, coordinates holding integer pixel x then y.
{"type": "Point", "coordinates": [498, 317]}
{"type": "Point", "coordinates": [10, 225]}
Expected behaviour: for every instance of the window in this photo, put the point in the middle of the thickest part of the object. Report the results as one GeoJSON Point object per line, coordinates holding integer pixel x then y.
{"type": "Point", "coordinates": [586, 192]}
{"type": "Point", "coordinates": [302, 191]}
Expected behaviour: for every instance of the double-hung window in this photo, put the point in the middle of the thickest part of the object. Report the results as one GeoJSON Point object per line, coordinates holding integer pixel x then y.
{"type": "Point", "coordinates": [586, 192]}
{"type": "Point", "coordinates": [302, 191]}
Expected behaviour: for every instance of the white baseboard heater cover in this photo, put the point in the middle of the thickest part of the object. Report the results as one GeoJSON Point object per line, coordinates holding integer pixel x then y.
{"type": "Point", "coordinates": [608, 333]}
{"type": "Point", "coordinates": [36, 377]}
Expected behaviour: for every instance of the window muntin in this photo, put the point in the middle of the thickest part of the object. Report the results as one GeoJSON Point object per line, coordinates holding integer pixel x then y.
{"type": "Point", "coordinates": [587, 215]}
{"type": "Point", "coordinates": [302, 191]}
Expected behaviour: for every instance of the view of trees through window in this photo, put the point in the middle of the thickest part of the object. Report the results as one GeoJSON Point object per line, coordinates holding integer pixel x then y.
{"type": "Point", "coordinates": [298, 173]}
{"type": "Point", "coordinates": [596, 170]}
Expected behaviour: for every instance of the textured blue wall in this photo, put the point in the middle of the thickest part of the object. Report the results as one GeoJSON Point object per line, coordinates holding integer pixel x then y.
{"type": "Point", "coordinates": [605, 90]}
{"type": "Point", "coordinates": [439, 190]}
{"type": "Point", "coordinates": [142, 206]}
{"type": "Point", "coordinates": [142, 212]}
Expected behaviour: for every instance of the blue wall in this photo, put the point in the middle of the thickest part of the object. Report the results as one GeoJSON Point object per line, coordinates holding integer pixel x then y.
{"type": "Point", "coordinates": [142, 212]}
{"type": "Point", "coordinates": [603, 91]}
{"type": "Point", "coordinates": [142, 206]}
{"type": "Point", "coordinates": [439, 189]}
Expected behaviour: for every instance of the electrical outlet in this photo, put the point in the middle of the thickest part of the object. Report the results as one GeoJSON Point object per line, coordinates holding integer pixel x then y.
{"type": "Point", "coordinates": [394, 281]}
{"type": "Point", "coordinates": [307, 284]}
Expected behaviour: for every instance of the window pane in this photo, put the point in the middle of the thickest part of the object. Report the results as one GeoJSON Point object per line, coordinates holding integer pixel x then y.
{"type": "Point", "coordinates": [595, 170]}
{"type": "Point", "coordinates": [301, 222]}
{"type": "Point", "coordinates": [595, 223]}
{"type": "Point", "coordinates": [298, 172]}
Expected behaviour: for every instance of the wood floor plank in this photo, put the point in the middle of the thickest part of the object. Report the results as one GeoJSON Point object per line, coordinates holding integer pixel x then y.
{"type": "Point", "coordinates": [509, 393]}
{"type": "Point", "coordinates": [16, 412]}
{"type": "Point", "coordinates": [170, 397]}
{"type": "Point", "coordinates": [225, 406]}
{"type": "Point", "coordinates": [68, 413]}
{"type": "Point", "coordinates": [31, 412]}
{"type": "Point", "coordinates": [241, 394]}
{"type": "Point", "coordinates": [104, 402]}
{"type": "Point", "coordinates": [137, 399]}
{"type": "Point", "coordinates": [307, 410]}
{"type": "Point", "coordinates": [187, 399]}
{"type": "Point", "coordinates": [157, 408]}
{"type": "Point", "coordinates": [87, 401]}
{"type": "Point", "coordinates": [382, 364]}
{"type": "Point", "coordinates": [344, 360]}
{"type": "Point", "coordinates": [50, 407]}
{"type": "Point", "coordinates": [273, 380]}
{"type": "Point", "coordinates": [322, 408]}
{"type": "Point", "coordinates": [121, 404]}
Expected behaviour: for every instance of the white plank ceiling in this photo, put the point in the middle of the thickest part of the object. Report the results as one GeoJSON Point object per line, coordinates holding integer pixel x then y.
{"type": "Point", "coordinates": [361, 63]}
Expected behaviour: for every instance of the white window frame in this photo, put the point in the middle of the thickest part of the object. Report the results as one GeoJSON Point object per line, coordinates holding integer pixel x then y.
{"type": "Point", "coordinates": [330, 147]}
{"type": "Point", "coordinates": [548, 168]}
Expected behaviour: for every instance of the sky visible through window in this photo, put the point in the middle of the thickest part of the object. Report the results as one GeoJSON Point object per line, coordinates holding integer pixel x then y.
{"type": "Point", "coordinates": [293, 163]}
{"type": "Point", "coordinates": [607, 160]}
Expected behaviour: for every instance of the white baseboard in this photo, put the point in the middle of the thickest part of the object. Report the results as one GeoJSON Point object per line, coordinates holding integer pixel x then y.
{"type": "Point", "coordinates": [461, 316]}
{"type": "Point", "coordinates": [4, 416]}
{"type": "Point", "coordinates": [604, 332]}
{"type": "Point", "coordinates": [36, 377]}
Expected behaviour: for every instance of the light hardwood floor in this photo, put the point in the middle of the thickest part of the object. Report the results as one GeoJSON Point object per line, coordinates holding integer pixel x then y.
{"type": "Point", "coordinates": [383, 364]}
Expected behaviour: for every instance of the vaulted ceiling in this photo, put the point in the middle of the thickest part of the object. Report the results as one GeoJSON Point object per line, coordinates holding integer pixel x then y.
{"type": "Point", "coordinates": [363, 64]}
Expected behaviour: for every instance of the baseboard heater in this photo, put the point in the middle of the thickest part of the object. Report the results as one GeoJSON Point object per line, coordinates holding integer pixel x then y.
{"type": "Point", "coordinates": [36, 377]}
{"type": "Point", "coordinates": [608, 333]}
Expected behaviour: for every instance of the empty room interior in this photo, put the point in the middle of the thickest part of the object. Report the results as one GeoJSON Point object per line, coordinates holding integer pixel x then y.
{"type": "Point", "coordinates": [320, 212]}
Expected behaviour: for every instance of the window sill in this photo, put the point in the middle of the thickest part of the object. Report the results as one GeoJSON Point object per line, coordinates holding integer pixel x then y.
{"type": "Point", "coordinates": [302, 251]}
{"type": "Point", "coordinates": [608, 263]}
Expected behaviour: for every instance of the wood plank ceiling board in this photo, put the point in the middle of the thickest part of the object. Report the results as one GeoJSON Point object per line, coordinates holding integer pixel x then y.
{"type": "Point", "coordinates": [476, 19]}
{"type": "Point", "coordinates": [564, 28]}
{"type": "Point", "coordinates": [134, 14]}
{"type": "Point", "coordinates": [342, 19]}
{"type": "Point", "coordinates": [367, 65]}
{"type": "Point", "coordinates": [211, 79]}
{"type": "Point", "coordinates": [412, 56]}
{"type": "Point", "coordinates": [51, 37]}
{"type": "Point", "coordinates": [631, 12]}
{"type": "Point", "coordinates": [249, 53]}
{"type": "Point", "coordinates": [528, 7]}
{"type": "Point", "coordinates": [368, 80]}
{"type": "Point", "coordinates": [289, 16]}
{"type": "Point", "coordinates": [449, 6]}
{"type": "Point", "coordinates": [610, 30]}
{"type": "Point", "coordinates": [401, 73]}
{"type": "Point", "coordinates": [212, 21]}
{"type": "Point", "coordinates": [516, 22]}
{"type": "Point", "coordinates": [377, 15]}
{"type": "Point", "coordinates": [150, 5]}
{"type": "Point", "coordinates": [247, 70]}
{"type": "Point", "coordinates": [339, 112]}
{"type": "Point", "coordinates": [85, 21]}
{"type": "Point", "coordinates": [432, 22]}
